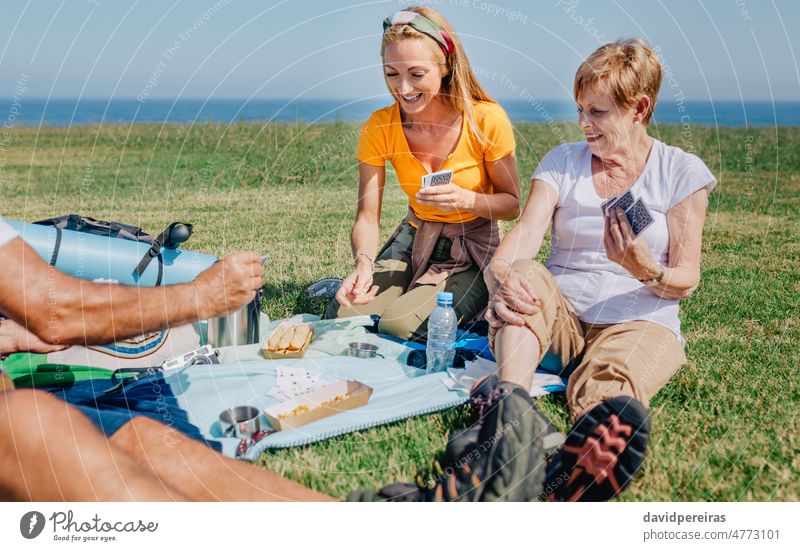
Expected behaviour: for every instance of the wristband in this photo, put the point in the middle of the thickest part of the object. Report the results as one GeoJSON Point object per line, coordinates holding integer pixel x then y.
{"type": "Point", "coordinates": [501, 260]}
{"type": "Point", "coordinates": [655, 281]}
{"type": "Point", "coordinates": [355, 260]}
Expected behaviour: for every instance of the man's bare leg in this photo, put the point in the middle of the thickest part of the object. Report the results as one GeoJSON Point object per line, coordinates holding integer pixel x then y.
{"type": "Point", "coordinates": [517, 351]}
{"type": "Point", "coordinates": [49, 451]}
{"type": "Point", "coordinates": [201, 473]}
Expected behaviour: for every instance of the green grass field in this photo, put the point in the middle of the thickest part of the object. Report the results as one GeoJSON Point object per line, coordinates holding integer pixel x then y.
{"type": "Point", "coordinates": [725, 428]}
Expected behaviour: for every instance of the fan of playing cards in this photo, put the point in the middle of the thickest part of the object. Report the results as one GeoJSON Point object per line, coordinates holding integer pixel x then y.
{"type": "Point", "coordinates": [637, 212]}
{"type": "Point", "coordinates": [293, 381]}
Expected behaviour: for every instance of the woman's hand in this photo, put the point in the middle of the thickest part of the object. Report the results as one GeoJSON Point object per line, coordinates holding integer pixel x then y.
{"type": "Point", "coordinates": [448, 198]}
{"type": "Point", "coordinates": [623, 247]}
{"type": "Point", "coordinates": [15, 338]}
{"type": "Point", "coordinates": [357, 288]}
{"type": "Point", "coordinates": [511, 296]}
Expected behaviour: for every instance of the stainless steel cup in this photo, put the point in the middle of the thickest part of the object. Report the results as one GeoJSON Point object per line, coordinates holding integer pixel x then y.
{"type": "Point", "coordinates": [240, 422]}
{"type": "Point", "coordinates": [237, 328]}
{"type": "Point", "coordinates": [363, 350]}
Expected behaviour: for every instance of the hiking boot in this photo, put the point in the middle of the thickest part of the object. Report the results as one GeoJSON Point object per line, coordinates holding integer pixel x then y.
{"type": "Point", "coordinates": [504, 463]}
{"type": "Point", "coordinates": [602, 453]}
{"type": "Point", "coordinates": [483, 394]}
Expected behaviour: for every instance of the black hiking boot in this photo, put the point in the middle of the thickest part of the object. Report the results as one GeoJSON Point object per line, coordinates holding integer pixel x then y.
{"type": "Point", "coordinates": [504, 463]}
{"type": "Point", "coordinates": [482, 396]}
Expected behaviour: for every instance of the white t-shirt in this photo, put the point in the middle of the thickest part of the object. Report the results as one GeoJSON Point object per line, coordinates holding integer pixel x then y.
{"type": "Point", "coordinates": [7, 233]}
{"type": "Point", "coordinates": [601, 290]}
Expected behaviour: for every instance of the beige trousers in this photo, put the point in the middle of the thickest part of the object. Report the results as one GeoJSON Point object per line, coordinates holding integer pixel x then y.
{"type": "Point", "coordinates": [632, 358]}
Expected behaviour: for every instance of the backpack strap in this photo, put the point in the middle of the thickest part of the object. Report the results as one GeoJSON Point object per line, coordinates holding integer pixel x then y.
{"type": "Point", "coordinates": [175, 234]}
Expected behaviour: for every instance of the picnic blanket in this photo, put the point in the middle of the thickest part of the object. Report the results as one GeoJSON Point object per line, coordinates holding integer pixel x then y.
{"type": "Point", "coordinates": [245, 378]}
{"type": "Point", "coordinates": [399, 391]}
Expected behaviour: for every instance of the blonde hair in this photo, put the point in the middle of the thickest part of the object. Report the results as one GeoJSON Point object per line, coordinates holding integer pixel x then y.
{"type": "Point", "coordinates": [459, 84]}
{"type": "Point", "coordinates": [629, 67]}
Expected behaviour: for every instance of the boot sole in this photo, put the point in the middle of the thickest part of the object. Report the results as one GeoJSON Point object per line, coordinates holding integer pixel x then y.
{"type": "Point", "coordinates": [604, 451]}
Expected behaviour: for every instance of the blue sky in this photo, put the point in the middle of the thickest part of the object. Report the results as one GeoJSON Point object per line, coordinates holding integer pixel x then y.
{"type": "Point", "coordinates": [726, 49]}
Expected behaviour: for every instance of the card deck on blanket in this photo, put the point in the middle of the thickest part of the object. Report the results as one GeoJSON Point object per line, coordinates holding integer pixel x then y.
{"type": "Point", "coordinates": [439, 178]}
{"type": "Point", "coordinates": [293, 381]}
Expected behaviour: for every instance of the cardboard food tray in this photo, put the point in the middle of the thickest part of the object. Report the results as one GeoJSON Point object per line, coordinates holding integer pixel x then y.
{"type": "Point", "coordinates": [273, 355]}
{"type": "Point", "coordinates": [356, 394]}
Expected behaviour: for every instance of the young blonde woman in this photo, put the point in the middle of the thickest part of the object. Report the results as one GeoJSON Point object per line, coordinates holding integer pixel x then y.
{"type": "Point", "coordinates": [441, 119]}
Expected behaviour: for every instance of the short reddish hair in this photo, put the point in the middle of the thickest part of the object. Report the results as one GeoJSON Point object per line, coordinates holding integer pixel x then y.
{"type": "Point", "coordinates": [630, 68]}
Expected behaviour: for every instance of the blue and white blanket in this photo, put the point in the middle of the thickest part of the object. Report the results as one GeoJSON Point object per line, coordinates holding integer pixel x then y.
{"type": "Point", "coordinates": [399, 391]}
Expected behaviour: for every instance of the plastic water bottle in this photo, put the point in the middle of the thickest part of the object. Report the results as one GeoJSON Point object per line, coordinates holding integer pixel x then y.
{"type": "Point", "coordinates": [442, 326]}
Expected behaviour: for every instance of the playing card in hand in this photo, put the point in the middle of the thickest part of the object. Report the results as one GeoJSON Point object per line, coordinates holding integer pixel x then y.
{"type": "Point", "coordinates": [623, 202]}
{"type": "Point", "coordinates": [604, 205]}
{"type": "Point", "coordinates": [440, 178]}
{"type": "Point", "coordinates": [639, 217]}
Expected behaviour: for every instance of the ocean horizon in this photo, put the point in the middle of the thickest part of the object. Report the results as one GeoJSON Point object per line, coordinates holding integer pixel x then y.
{"type": "Point", "coordinates": [64, 112]}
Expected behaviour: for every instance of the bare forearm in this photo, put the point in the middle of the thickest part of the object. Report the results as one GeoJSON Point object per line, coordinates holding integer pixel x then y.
{"type": "Point", "coordinates": [364, 238]}
{"type": "Point", "coordinates": [678, 282]}
{"type": "Point", "coordinates": [495, 206]}
{"type": "Point", "coordinates": [81, 312]}
{"type": "Point", "coordinates": [520, 243]}
{"type": "Point", "coordinates": [60, 309]}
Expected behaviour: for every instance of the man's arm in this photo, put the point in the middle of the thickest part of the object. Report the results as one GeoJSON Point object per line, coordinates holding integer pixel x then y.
{"type": "Point", "coordinates": [61, 309]}
{"type": "Point", "coordinates": [15, 338]}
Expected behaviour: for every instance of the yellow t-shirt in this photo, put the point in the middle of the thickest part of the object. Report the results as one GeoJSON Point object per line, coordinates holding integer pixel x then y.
{"type": "Point", "coordinates": [382, 139]}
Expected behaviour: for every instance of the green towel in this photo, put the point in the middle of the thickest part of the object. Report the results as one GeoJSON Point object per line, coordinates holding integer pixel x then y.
{"type": "Point", "coordinates": [32, 371]}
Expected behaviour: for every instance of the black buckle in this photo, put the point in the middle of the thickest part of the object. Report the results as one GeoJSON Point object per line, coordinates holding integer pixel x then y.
{"type": "Point", "coordinates": [121, 382]}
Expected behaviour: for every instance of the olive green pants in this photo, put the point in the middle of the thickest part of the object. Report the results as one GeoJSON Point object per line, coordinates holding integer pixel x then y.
{"type": "Point", "coordinates": [404, 314]}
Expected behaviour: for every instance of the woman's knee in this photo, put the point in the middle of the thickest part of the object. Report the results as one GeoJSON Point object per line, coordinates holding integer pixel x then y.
{"type": "Point", "coordinates": [534, 271]}
{"type": "Point", "coordinates": [539, 278]}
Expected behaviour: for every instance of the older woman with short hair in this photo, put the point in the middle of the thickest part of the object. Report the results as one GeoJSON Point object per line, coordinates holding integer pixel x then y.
{"type": "Point", "coordinates": [606, 304]}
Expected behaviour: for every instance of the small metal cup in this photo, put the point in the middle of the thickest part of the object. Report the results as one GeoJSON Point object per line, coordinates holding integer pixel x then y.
{"type": "Point", "coordinates": [240, 422]}
{"type": "Point", "coordinates": [237, 328]}
{"type": "Point", "coordinates": [363, 350]}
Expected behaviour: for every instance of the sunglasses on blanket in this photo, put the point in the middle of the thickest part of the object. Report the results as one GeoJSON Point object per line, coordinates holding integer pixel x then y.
{"type": "Point", "coordinates": [419, 359]}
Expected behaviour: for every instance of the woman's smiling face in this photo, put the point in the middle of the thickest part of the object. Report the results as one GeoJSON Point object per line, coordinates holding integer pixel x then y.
{"type": "Point", "coordinates": [413, 74]}
{"type": "Point", "coordinates": [606, 125]}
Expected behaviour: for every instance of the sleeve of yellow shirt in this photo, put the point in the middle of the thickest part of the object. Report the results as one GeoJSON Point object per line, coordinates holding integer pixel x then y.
{"type": "Point", "coordinates": [494, 124]}
{"type": "Point", "coordinates": [372, 148]}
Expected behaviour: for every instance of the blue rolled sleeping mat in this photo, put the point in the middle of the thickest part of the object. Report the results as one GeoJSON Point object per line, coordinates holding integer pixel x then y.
{"type": "Point", "coordinates": [90, 256]}
{"type": "Point", "coordinates": [96, 250]}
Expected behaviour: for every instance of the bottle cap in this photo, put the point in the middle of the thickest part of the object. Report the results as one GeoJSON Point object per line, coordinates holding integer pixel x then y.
{"type": "Point", "coordinates": [444, 298]}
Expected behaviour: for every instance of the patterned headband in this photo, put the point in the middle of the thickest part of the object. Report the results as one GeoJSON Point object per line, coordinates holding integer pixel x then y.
{"type": "Point", "coordinates": [422, 24]}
